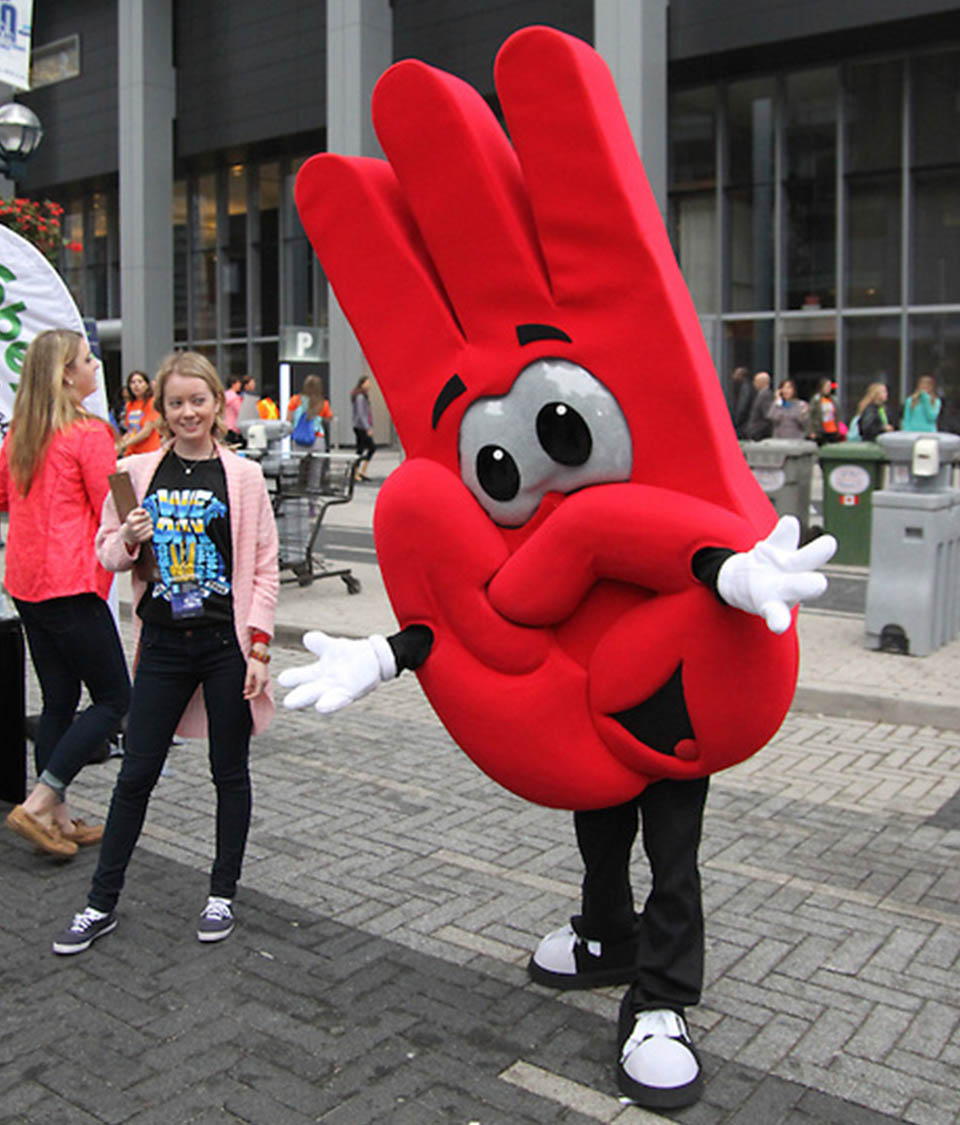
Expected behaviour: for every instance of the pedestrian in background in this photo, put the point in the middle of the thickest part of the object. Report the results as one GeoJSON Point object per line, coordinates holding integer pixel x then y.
{"type": "Point", "coordinates": [789, 416]}
{"type": "Point", "coordinates": [363, 425]}
{"type": "Point", "coordinates": [740, 394]}
{"type": "Point", "coordinates": [824, 419]}
{"type": "Point", "coordinates": [202, 629]}
{"type": "Point", "coordinates": [141, 418]}
{"type": "Point", "coordinates": [232, 401]}
{"type": "Point", "coordinates": [871, 416]}
{"type": "Point", "coordinates": [759, 425]}
{"type": "Point", "coordinates": [54, 467]}
{"type": "Point", "coordinates": [922, 408]}
{"type": "Point", "coordinates": [315, 408]}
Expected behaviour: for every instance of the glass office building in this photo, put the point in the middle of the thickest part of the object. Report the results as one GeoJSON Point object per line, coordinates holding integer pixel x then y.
{"type": "Point", "coordinates": [813, 167]}
{"type": "Point", "coordinates": [816, 216]}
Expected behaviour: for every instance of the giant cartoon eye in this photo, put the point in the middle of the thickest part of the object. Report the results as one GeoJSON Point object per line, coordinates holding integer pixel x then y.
{"type": "Point", "coordinates": [558, 429]}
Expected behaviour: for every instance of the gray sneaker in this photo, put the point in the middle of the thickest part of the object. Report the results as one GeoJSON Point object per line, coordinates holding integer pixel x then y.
{"type": "Point", "coordinates": [84, 930]}
{"type": "Point", "coordinates": [216, 920]}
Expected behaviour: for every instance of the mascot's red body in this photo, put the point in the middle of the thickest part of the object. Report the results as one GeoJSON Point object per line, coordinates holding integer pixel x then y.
{"type": "Point", "coordinates": [568, 446]}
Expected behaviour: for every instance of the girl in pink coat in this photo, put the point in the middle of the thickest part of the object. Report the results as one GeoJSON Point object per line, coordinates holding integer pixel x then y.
{"type": "Point", "coordinates": [203, 620]}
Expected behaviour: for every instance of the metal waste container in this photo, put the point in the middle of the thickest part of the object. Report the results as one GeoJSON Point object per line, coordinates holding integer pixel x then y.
{"type": "Point", "coordinates": [913, 594]}
{"type": "Point", "coordinates": [13, 745]}
{"type": "Point", "coordinates": [852, 472]}
{"type": "Point", "coordinates": [783, 468]}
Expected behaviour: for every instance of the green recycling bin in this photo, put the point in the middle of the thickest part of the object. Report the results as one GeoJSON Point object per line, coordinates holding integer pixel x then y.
{"type": "Point", "coordinates": [852, 472]}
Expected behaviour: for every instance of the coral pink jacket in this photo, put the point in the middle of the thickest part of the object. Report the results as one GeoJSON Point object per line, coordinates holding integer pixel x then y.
{"type": "Point", "coordinates": [50, 550]}
{"type": "Point", "coordinates": [255, 579]}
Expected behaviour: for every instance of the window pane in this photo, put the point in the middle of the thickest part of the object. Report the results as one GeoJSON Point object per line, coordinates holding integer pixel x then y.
{"type": "Point", "coordinates": [936, 225]}
{"type": "Point", "coordinates": [936, 109]}
{"type": "Point", "coordinates": [694, 223]}
{"type": "Point", "coordinates": [749, 228]}
{"type": "Point", "coordinates": [75, 260]}
{"type": "Point", "coordinates": [692, 138]}
{"type": "Point", "coordinates": [204, 211]}
{"type": "Point", "coordinates": [935, 350]}
{"type": "Point", "coordinates": [750, 248]}
{"type": "Point", "coordinates": [750, 107]}
{"type": "Point", "coordinates": [204, 268]}
{"type": "Point", "coordinates": [180, 330]}
{"type": "Point", "coordinates": [203, 223]}
{"type": "Point", "coordinates": [749, 343]}
{"type": "Point", "coordinates": [872, 355]}
{"type": "Point", "coordinates": [873, 240]}
{"type": "Point", "coordinates": [234, 362]}
{"type": "Point", "coordinates": [269, 191]}
{"type": "Point", "coordinates": [810, 191]}
{"type": "Point", "coordinates": [234, 278]}
{"type": "Point", "coordinates": [299, 272]}
{"type": "Point", "coordinates": [264, 366]}
{"type": "Point", "coordinates": [874, 103]}
{"type": "Point", "coordinates": [97, 255]}
{"type": "Point", "coordinates": [811, 350]}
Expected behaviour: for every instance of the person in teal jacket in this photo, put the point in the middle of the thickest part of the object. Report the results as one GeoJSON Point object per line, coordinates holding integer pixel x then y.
{"type": "Point", "coordinates": [922, 408]}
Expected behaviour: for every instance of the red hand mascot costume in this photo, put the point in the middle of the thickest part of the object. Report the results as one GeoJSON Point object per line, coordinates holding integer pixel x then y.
{"type": "Point", "coordinates": [569, 457]}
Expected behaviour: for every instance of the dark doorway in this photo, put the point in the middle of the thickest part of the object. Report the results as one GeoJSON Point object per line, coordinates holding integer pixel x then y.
{"type": "Point", "coordinates": [809, 361]}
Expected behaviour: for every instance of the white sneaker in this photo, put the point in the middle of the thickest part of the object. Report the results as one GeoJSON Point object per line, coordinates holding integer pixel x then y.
{"type": "Point", "coordinates": [216, 920]}
{"type": "Point", "coordinates": [564, 959]}
{"type": "Point", "coordinates": [657, 1066]}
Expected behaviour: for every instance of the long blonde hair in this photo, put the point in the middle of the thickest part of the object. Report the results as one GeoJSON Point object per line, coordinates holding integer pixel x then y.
{"type": "Point", "coordinates": [193, 365]}
{"type": "Point", "coordinates": [43, 405]}
{"type": "Point", "coordinates": [872, 395]}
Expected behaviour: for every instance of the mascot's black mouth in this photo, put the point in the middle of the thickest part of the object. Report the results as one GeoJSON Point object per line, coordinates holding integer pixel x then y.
{"type": "Point", "coordinates": [661, 721]}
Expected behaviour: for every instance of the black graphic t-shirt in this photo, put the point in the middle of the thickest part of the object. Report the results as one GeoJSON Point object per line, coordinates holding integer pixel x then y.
{"type": "Point", "coordinates": [191, 539]}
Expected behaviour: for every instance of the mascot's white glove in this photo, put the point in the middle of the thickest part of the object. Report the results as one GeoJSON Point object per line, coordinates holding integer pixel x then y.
{"type": "Point", "coordinates": [775, 575]}
{"type": "Point", "coordinates": [346, 670]}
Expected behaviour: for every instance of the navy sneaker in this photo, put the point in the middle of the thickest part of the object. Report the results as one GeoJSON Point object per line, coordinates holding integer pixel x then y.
{"type": "Point", "coordinates": [216, 920]}
{"type": "Point", "coordinates": [84, 930]}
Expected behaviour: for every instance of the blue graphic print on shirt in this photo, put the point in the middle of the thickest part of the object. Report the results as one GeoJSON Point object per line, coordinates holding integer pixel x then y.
{"type": "Point", "coordinates": [185, 552]}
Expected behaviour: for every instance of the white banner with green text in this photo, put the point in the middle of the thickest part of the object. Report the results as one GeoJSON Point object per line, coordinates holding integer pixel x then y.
{"type": "Point", "coordinates": [33, 298]}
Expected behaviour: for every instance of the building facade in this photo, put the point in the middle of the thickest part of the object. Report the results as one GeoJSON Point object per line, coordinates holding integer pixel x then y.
{"type": "Point", "coordinates": [812, 168]}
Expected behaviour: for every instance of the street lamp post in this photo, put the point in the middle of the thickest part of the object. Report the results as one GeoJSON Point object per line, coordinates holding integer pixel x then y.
{"type": "Point", "coordinates": [20, 134]}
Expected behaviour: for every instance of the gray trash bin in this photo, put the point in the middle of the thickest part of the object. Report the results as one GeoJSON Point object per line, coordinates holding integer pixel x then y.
{"type": "Point", "coordinates": [783, 468]}
{"type": "Point", "coordinates": [913, 594]}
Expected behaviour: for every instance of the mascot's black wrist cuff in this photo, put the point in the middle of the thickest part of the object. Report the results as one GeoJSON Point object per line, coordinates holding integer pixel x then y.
{"type": "Point", "coordinates": [706, 565]}
{"type": "Point", "coordinates": [411, 646]}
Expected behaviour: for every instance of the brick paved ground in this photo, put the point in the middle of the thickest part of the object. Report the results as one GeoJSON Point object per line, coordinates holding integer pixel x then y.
{"type": "Point", "coordinates": [392, 896]}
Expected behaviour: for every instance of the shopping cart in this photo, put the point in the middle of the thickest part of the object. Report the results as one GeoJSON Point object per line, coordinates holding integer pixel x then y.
{"type": "Point", "coordinates": [305, 487]}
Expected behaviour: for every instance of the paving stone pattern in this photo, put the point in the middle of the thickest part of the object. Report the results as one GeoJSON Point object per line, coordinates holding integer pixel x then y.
{"type": "Point", "coordinates": [392, 895]}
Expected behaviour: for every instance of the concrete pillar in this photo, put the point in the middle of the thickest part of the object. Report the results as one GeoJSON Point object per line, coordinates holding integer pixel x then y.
{"type": "Point", "coordinates": [359, 50]}
{"type": "Point", "coordinates": [147, 102]}
{"type": "Point", "coordinates": [631, 35]}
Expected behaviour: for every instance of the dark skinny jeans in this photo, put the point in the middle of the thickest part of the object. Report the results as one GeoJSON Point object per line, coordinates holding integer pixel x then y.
{"type": "Point", "coordinates": [74, 642]}
{"type": "Point", "coordinates": [173, 663]}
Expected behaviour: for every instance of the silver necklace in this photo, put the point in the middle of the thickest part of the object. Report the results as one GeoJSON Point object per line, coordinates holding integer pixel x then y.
{"type": "Point", "coordinates": [188, 467]}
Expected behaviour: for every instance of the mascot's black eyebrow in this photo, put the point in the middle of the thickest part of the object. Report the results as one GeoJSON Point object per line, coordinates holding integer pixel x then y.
{"type": "Point", "coordinates": [526, 334]}
{"type": "Point", "coordinates": [453, 388]}
{"type": "Point", "coordinates": [530, 333]}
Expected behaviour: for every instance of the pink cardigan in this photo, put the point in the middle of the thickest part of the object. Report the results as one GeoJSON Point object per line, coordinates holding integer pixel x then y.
{"type": "Point", "coordinates": [50, 550]}
{"type": "Point", "coordinates": [255, 579]}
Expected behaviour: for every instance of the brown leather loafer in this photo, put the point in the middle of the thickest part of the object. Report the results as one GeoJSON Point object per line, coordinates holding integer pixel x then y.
{"type": "Point", "coordinates": [83, 834]}
{"type": "Point", "coordinates": [50, 840]}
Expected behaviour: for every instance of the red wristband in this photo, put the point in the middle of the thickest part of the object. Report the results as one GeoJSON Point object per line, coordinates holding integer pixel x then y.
{"type": "Point", "coordinates": [258, 637]}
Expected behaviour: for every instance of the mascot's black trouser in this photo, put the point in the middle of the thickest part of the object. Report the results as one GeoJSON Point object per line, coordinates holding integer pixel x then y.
{"type": "Point", "coordinates": [668, 935]}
